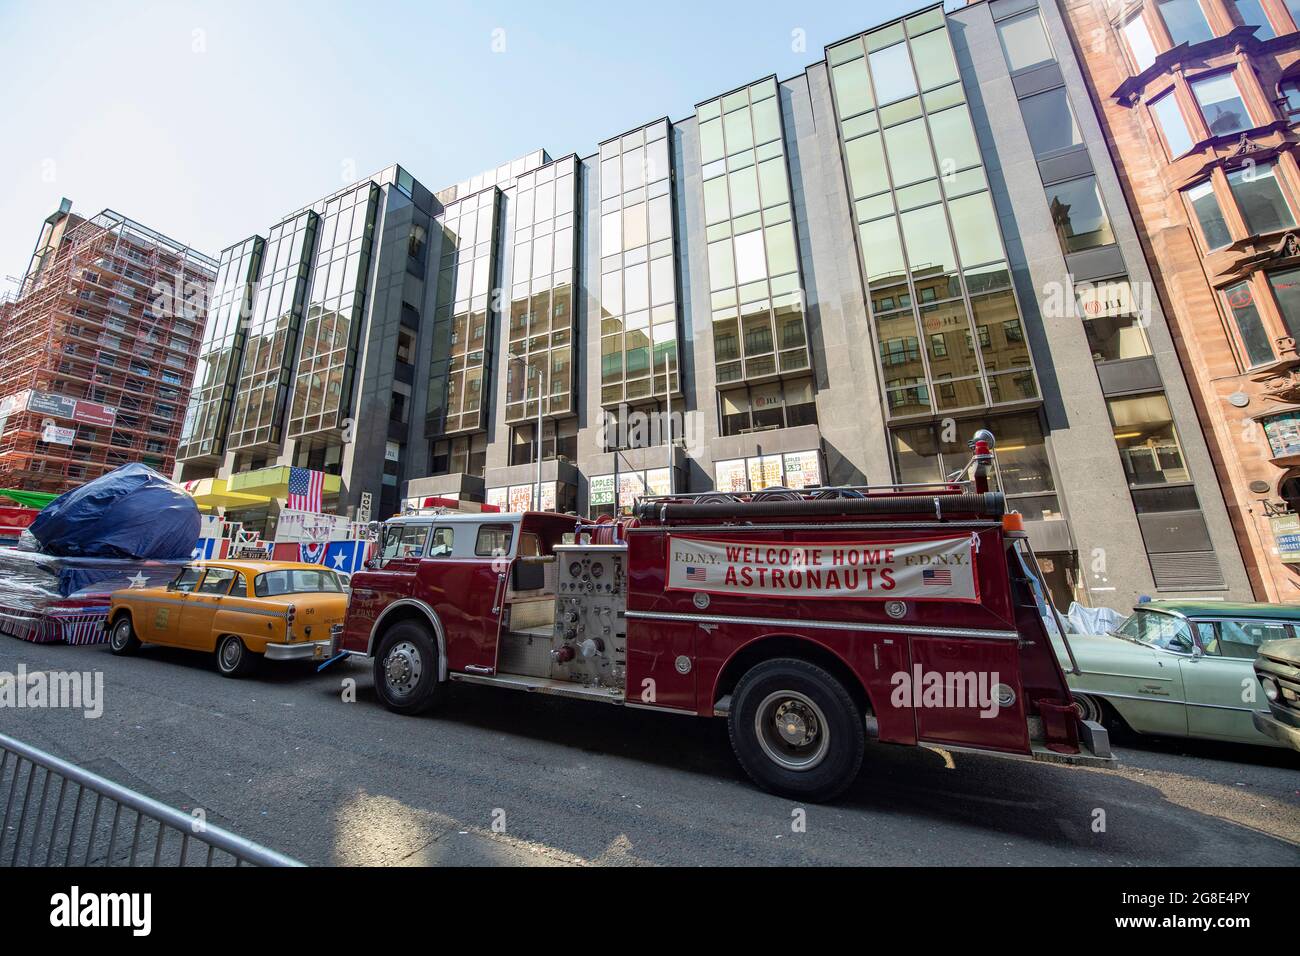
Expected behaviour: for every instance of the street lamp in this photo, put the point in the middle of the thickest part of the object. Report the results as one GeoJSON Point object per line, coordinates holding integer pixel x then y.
{"type": "Point", "coordinates": [519, 358]}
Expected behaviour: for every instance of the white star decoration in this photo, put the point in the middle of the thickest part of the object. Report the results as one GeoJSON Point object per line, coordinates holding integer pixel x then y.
{"type": "Point", "coordinates": [139, 580]}
{"type": "Point", "coordinates": [338, 560]}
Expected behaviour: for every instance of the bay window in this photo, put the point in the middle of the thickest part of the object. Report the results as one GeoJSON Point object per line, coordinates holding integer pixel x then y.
{"type": "Point", "coordinates": [1260, 199]}
{"type": "Point", "coordinates": [1170, 120]}
{"type": "Point", "coordinates": [1205, 204]}
{"type": "Point", "coordinates": [1255, 340]}
{"type": "Point", "coordinates": [1185, 21]}
{"type": "Point", "coordinates": [1221, 104]}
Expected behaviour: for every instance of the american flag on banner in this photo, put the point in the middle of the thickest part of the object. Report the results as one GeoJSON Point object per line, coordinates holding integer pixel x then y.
{"type": "Point", "coordinates": [306, 487]}
{"type": "Point", "coordinates": [697, 575]}
{"type": "Point", "coordinates": [940, 577]}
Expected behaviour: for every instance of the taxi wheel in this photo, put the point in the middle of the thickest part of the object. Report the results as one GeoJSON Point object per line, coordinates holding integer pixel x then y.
{"type": "Point", "coordinates": [122, 639]}
{"type": "Point", "coordinates": [406, 669]}
{"type": "Point", "coordinates": [796, 731]}
{"type": "Point", "coordinates": [233, 658]}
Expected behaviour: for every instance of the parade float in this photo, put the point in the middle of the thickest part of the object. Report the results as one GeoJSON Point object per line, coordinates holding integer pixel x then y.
{"type": "Point", "coordinates": [18, 509]}
{"type": "Point", "coordinates": [128, 528]}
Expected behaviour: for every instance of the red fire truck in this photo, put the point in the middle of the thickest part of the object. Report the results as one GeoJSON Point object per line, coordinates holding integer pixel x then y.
{"type": "Point", "coordinates": [810, 620]}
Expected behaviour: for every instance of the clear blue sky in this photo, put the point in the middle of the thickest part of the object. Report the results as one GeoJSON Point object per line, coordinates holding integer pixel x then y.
{"type": "Point", "coordinates": [208, 121]}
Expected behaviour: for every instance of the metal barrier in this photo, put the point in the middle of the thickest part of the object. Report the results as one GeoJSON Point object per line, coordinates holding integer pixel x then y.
{"type": "Point", "coordinates": [33, 782]}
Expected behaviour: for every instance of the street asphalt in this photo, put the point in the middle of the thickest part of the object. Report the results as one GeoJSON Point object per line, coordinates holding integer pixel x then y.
{"type": "Point", "coordinates": [499, 777]}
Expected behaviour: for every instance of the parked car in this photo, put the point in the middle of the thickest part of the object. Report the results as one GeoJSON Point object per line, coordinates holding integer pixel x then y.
{"type": "Point", "coordinates": [1278, 670]}
{"type": "Point", "coordinates": [244, 611]}
{"type": "Point", "coordinates": [1181, 668]}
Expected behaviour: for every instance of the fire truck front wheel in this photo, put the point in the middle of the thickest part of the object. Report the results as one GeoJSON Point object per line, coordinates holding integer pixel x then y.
{"type": "Point", "coordinates": [406, 669]}
{"type": "Point", "coordinates": [795, 730]}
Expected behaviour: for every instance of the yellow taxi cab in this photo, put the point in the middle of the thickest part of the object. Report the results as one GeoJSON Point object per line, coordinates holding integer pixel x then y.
{"type": "Point", "coordinates": [243, 611]}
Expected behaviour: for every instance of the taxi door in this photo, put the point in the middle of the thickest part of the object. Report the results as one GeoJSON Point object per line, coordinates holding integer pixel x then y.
{"type": "Point", "coordinates": [162, 621]}
{"type": "Point", "coordinates": [201, 607]}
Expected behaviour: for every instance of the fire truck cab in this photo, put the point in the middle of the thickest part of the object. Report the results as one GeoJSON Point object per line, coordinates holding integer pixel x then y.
{"type": "Point", "coordinates": [812, 621]}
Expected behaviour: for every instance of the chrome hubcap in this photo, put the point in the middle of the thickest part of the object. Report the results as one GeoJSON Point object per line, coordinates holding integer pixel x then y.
{"type": "Point", "coordinates": [792, 730]}
{"type": "Point", "coordinates": [402, 668]}
{"type": "Point", "coordinates": [231, 651]}
{"type": "Point", "coordinates": [121, 634]}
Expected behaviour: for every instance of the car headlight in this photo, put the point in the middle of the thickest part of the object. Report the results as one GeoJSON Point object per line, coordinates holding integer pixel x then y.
{"type": "Point", "coordinates": [1271, 688]}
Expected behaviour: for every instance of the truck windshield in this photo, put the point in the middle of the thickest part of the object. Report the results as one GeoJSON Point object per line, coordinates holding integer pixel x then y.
{"type": "Point", "coordinates": [296, 581]}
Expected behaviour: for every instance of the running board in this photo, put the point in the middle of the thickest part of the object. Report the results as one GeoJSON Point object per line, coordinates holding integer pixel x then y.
{"type": "Point", "coordinates": [1037, 751]}
{"type": "Point", "coordinates": [542, 685]}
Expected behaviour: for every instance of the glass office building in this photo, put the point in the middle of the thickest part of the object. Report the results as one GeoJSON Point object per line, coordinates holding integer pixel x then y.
{"type": "Point", "coordinates": [834, 278]}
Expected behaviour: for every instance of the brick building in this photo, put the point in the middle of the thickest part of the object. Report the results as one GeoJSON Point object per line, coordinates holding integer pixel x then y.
{"type": "Point", "coordinates": [1198, 100]}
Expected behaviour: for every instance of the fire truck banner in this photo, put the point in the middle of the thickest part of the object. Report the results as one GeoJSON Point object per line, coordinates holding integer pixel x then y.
{"type": "Point", "coordinates": [936, 569]}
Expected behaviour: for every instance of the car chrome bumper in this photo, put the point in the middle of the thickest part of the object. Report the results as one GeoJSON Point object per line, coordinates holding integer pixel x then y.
{"type": "Point", "coordinates": [306, 651]}
{"type": "Point", "coordinates": [1270, 726]}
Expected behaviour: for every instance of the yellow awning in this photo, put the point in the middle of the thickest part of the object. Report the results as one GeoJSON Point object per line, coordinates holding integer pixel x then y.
{"type": "Point", "coordinates": [215, 493]}
{"type": "Point", "coordinates": [274, 482]}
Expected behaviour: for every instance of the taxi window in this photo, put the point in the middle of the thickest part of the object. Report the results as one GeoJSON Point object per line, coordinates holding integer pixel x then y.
{"type": "Point", "coordinates": [440, 545]}
{"type": "Point", "coordinates": [240, 587]}
{"type": "Point", "coordinates": [404, 541]}
{"type": "Point", "coordinates": [186, 580]}
{"type": "Point", "coordinates": [493, 540]}
{"type": "Point", "coordinates": [1242, 638]}
{"type": "Point", "coordinates": [296, 581]}
{"type": "Point", "coordinates": [216, 581]}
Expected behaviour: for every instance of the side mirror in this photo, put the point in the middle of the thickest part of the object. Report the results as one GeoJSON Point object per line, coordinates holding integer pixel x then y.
{"type": "Point", "coordinates": [1197, 651]}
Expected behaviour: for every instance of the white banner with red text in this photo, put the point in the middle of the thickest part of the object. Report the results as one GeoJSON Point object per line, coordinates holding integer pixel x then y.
{"type": "Point", "coordinates": [932, 569]}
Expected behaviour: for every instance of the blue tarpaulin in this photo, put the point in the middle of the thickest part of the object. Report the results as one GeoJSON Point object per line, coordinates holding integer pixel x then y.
{"type": "Point", "coordinates": [132, 512]}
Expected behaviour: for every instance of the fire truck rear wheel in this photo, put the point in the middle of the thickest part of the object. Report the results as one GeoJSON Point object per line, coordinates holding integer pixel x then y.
{"type": "Point", "coordinates": [406, 669]}
{"type": "Point", "coordinates": [796, 730]}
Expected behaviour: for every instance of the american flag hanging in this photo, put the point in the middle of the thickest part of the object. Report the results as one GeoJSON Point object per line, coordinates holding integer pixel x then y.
{"type": "Point", "coordinates": [306, 488]}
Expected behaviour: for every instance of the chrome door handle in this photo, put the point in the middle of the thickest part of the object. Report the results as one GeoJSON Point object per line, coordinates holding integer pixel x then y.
{"type": "Point", "coordinates": [496, 595]}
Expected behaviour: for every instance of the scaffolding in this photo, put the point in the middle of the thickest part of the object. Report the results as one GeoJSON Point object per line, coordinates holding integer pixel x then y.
{"type": "Point", "coordinates": [115, 318]}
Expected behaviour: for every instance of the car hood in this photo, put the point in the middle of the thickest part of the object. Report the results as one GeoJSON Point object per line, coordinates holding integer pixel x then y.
{"type": "Point", "coordinates": [1102, 651]}
{"type": "Point", "coordinates": [1288, 650]}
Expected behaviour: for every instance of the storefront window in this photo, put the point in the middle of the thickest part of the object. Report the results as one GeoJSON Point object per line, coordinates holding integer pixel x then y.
{"type": "Point", "coordinates": [1283, 433]}
{"type": "Point", "coordinates": [800, 469]}
{"type": "Point", "coordinates": [556, 496]}
{"type": "Point", "coordinates": [1148, 443]}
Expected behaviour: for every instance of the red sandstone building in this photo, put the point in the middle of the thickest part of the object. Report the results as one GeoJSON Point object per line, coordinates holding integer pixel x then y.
{"type": "Point", "coordinates": [97, 351]}
{"type": "Point", "coordinates": [1198, 99]}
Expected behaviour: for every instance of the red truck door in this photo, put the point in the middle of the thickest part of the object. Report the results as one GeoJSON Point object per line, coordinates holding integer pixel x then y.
{"type": "Point", "coordinates": [464, 581]}
{"type": "Point", "coordinates": [390, 577]}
